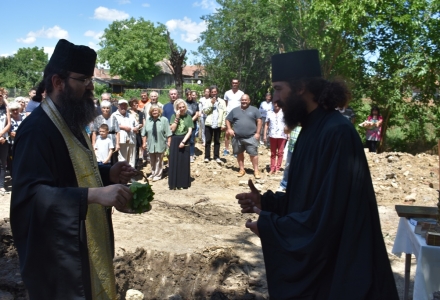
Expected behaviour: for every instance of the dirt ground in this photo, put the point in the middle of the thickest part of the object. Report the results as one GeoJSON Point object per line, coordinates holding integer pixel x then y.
{"type": "Point", "coordinates": [193, 243]}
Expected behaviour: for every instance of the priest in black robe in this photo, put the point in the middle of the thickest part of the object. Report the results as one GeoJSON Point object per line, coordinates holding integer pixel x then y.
{"type": "Point", "coordinates": [322, 238]}
{"type": "Point", "coordinates": [61, 200]}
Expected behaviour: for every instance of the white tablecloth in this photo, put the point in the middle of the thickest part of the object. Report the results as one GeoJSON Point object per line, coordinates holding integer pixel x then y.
{"type": "Point", "coordinates": [427, 278]}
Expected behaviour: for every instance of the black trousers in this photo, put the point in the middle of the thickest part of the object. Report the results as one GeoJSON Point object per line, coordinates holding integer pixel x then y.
{"type": "Point", "coordinates": [209, 133]}
{"type": "Point", "coordinates": [372, 145]}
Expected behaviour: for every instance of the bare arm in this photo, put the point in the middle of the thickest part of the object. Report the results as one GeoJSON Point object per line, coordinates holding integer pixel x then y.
{"type": "Point", "coordinates": [8, 122]}
{"type": "Point", "coordinates": [144, 142]}
{"type": "Point", "coordinates": [257, 134]}
{"type": "Point", "coordinates": [117, 147]}
{"type": "Point", "coordinates": [173, 126]}
{"type": "Point", "coordinates": [186, 138]}
{"type": "Point", "coordinates": [196, 116]}
{"type": "Point", "coordinates": [229, 129]}
{"type": "Point", "coordinates": [109, 156]}
{"type": "Point", "coordinates": [266, 126]}
{"type": "Point", "coordinates": [93, 138]}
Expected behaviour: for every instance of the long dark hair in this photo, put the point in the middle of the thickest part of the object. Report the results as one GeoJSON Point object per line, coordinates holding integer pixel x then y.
{"type": "Point", "coordinates": [328, 94]}
{"type": "Point", "coordinates": [375, 107]}
{"type": "Point", "coordinates": [46, 83]}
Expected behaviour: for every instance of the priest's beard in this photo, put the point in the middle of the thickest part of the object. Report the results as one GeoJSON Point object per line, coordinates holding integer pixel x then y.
{"type": "Point", "coordinates": [294, 110]}
{"type": "Point", "coordinates": [78, 112]}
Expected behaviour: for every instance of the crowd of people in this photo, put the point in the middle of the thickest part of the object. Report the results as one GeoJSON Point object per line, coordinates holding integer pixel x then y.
{"type": "Point", "coordinates": [321, 238]}
{"type": "Point", "coordinates": [146, 131]}
{"type": "Point", "coordinates": [136, 131]}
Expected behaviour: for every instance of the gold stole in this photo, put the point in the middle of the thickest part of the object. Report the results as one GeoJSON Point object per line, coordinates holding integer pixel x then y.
{"type": "Point", "coordinates": [98, 235]}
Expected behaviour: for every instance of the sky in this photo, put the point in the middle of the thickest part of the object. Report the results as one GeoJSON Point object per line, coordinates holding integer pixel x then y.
{"type": "Point", "coordinates": [41, 23]}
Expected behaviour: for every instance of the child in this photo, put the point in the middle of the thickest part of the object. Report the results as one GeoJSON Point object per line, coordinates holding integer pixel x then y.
{"type": "Point", "coordinates": [103, 146]}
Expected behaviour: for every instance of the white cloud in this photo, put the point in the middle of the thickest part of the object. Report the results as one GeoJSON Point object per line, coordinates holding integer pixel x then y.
{"type": "Point", "coordinates": [93, 45]}
{"type": "Point", "coordinates": [48, 51]}
{"type": "Point", "coordinates": [107, 14]}
{"type": "Point", "coordinates": [146, 5]}
{"type": "Point", "coordinates": [93, 34]}
{"type": "Point", "coordinates": [4, 55]}
{"type": "Point", "coordinates": [28, 40]}
{"type": "Point", "coordinates": [55, 32]}
{"type": "Point", "coordinates": [191, 30]}
{"type": "Point", "coordinates": [124, 1]}
{"type": "Point", "coordinates": [207, 4]}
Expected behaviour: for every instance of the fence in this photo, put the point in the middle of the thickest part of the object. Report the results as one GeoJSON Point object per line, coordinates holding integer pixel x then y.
{"type": "Point", "coordinates": [13, 93]}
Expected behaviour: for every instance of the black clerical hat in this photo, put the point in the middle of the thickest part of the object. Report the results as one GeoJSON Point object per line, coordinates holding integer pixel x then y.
{"type": "Point", "coordinates": [73, 58]}
{"type": "Point", "coordinates": [296, 65]}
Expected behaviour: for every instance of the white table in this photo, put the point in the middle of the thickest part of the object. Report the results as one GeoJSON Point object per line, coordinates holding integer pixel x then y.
{"type": "Point", "coordinates": [427, 278]}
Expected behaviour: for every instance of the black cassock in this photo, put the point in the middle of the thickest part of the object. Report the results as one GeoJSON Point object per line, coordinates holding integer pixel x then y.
{"type": "Point", "coordinates": [322, 238]}
{"type": "Point", "coordinates": [48, 210]}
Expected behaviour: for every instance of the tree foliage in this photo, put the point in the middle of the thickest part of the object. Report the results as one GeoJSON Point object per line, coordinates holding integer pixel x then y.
{"type": "Point", "coordinates": [24, 69]}
{"type": "Point", "coordinates": [384, 50]}
{"type": "Point", "coordinates": [402, 34]}
{"type": "Point", "coordinates": [238, 43]}
{"type": "Point", "coordinates": [132, 47]}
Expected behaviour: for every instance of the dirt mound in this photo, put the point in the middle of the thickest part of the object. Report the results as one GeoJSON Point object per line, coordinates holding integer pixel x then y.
{"type": "Point", "coordinates": [201, 212]}
{"type": "Point", "coordinates": [214, 273]}
{"type": "Point", "coordinates": [193, 243]}
{"type": "Point", "coordinates": [11, 285]}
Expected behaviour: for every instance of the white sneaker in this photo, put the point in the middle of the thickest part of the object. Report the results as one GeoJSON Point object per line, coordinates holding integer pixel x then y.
{"type": "Point", "coordinates": [219, 161]}
{"type": "Point", "coordinates": [280, 189]}
{"type": "Point", "coordinates": [206, 160]}
{"type": "Point", "coordinates": [156, 178]}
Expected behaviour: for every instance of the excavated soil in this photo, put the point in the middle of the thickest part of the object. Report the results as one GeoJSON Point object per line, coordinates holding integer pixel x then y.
{"type": "Point", "coordinates": [193, 243]}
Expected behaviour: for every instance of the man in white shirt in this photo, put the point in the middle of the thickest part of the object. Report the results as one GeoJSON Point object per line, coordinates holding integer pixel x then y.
{"type": "Point", "coordinates": [233, 100]}
{"type": "Point", "coordinates": [265, 107]}
{"type": "Point", "coordinates": [127, 134]}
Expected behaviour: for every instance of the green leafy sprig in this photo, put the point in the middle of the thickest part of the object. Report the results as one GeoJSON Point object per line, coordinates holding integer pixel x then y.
{"type": "Point", "coordinates": [142, 196]}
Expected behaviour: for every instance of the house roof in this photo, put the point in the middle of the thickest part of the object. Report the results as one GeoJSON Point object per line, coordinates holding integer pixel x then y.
{"type": "Point", "coordinates": [188, 71]}
{"type": "Point", "coordinates": [164, 65]}
{"type": "Point", "coordinates": [104, 74]}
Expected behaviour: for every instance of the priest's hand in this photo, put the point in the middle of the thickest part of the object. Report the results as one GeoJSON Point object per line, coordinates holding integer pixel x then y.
{"type": "Point", "coordinates": [252, 225]}
{"type": "Point", "coordinates": [247, 201]}
{"type": "Point", "coordinates": [122, 172]}
{"type": "Point", "coordinates": [116, 195]}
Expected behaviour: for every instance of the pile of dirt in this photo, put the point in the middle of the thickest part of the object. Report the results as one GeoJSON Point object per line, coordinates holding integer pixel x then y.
{"type": "Point", "coordinates": [403, 178]}
{"type": "Point", "coordinates": [11, 285]}
{"type": "Point", "coordinates": [213, 273]}
{"type": "Point", "coordinates": [193, 243]}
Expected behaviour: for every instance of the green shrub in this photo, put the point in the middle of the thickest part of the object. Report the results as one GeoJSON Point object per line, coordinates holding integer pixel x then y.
{"type": "Point", "coordinates": [100, 89]}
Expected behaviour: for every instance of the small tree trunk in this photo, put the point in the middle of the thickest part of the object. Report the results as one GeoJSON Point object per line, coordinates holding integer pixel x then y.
{"type": "Point", "coordinates": [177, 59]}
{"type": "Point", "coordinates": [386, 118]}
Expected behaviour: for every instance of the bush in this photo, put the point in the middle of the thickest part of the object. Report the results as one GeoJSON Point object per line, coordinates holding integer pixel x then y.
{"type": "Point", "coordinates": [101, 89]}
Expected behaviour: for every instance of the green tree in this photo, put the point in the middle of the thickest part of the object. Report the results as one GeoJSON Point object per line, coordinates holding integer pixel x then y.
{"type": "Point", "coordinates": [240, 39]}
{"type": "Point", "coordinates": [236, 45]}
{"type": "Point", "coordinates": [384, 50]}
{"type": "Point", "coordinates": [132, 47]}
{"type": "Point", "coordinates": [23, 70]}
{"type": "Point", "coordinates": [403, 36]}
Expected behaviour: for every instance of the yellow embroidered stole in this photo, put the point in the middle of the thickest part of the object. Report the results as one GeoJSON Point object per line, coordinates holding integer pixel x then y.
{"type": "Point", "coordinates": [98, 235]}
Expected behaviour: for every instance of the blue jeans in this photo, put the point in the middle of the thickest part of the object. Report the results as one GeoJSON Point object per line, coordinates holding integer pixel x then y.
{"type": "Point", "coordinates": [283, 183]}
{"type": "Point", "coordinates": [192, 140]}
